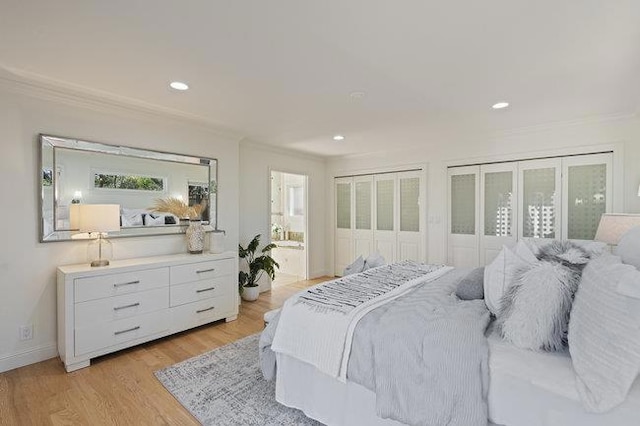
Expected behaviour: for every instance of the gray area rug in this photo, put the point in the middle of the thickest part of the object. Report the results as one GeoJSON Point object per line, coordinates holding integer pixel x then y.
{"type": "Point", "coordinates": [225, 387]}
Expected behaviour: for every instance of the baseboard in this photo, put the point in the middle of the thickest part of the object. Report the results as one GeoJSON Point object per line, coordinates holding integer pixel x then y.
{"type": "Point", "coordinates": [28, 356]}
{"type": "Point", "coordinates": [318, 274]}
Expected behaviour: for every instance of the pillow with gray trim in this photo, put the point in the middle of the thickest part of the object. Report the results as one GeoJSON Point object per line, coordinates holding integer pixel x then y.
{"type": "Point", "coordinates": [629, 247]}
{"type": "Point", "coordinates": [604, 333]}
{"type": "Point", "coordinates": [535, 309]}
{"type": "Point", "coordinates": [471, 287]}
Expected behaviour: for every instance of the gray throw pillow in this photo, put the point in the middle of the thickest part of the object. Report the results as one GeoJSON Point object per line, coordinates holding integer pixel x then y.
{"type": "Point", "coordinates": [356, 267]}
{"type": "Point", "coordinates": [535, 309]}
{"type": "Point", "coordinates": [471, 287]}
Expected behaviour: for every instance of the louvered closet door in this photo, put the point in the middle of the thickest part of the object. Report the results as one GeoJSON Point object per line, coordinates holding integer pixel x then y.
{"type": "Point", "coordinates": [587, 194]}
{"type": "Point", "coordinates": [343, 231]}
{"type": "Point", "coordinates": [363, 229]}
{"type": "Point", "coordinates": [384, 234]}
{"type": "Point", "coordinates": [410, 217]}
{"type": "Point", "coordinates": [539, 207]}
{"type": "Point", "coordinates": [463, 192]}
{"type": "Point", "coordinates": [498, 209]}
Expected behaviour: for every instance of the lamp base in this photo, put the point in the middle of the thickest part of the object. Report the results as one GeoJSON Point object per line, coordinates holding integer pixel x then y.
{"type": "Point", "coordinates": [100, 262]}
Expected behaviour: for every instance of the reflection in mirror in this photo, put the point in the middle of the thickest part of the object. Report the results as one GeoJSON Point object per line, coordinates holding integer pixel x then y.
{"type": "Point", "coordinates": [78, 172]}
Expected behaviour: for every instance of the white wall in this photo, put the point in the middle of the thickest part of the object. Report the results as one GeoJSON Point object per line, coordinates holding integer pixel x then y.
{"type": "Point", "coordinates": [621, 131]}
{"type": "Point", "coordinates": [27, 267]}
{"type": "Point", "coordinates": [256, 163]}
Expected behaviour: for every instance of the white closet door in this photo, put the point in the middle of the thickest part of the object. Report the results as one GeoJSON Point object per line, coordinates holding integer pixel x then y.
{"type": "Point", "coordinates": [410, 217]}
{"type": "Point", "coordinates": [463, 244]}
{"type": "Point", "coordinates": [384, 234]}
{"type": "Point", "coordinates": [539, 207]}
{"type": "Point", "coordinates": [498, 209]}
{"type": "Point", "coordinates": [344, 219]}
{"type": "Point", "coordinates": [363, 216]}
{"type": "Point", "coordinates": [587, 194]}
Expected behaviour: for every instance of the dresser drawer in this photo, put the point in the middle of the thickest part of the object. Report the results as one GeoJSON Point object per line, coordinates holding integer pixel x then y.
{"type": "Point", "coordinates": [200, 312]}
{"type": "Point", "coordinates": [101, 336]}
{"type": "Point", "coordinates": [116, 284]}
{"type": "Point", "coordinates": [202, 270]}
{"type": "Point", "coordinates": [199, 290]}
{"type": "Point", "coordinates": [117, 307]}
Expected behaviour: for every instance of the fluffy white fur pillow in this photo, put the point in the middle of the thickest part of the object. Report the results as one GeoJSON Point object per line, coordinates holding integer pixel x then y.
{"type": "Point", "coordinates": [535, 308]}
{"type": "Point", "coordinates": [604, 333]}
{"type": "Point", "coordinates": [500, 273]}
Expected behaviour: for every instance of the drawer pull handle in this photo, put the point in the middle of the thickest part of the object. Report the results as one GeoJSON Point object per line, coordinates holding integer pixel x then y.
{"type": "Point", "coordinates": [133, 305]}
{"type": "Point", "coordinates": [137, 327]}
{"type": "Point", "coordinates": [202, 290]}
{"type": "Point", "coordinates": [127, 283]}
{"type": "Point", "coordinates": [204, 310]}
{"type": "Point", "coordinates": [202, 271]}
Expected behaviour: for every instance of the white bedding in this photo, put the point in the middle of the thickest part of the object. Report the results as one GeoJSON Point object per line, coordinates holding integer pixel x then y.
{"type": "Point", "coordinates": [538, 389]}
{"type": "Point", "coordinates": [527, 389]}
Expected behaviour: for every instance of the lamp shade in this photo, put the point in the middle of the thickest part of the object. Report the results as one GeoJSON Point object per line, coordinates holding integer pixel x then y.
{"type": "Point", "coordinates": [614, 225]}
{"type": "Point", "coordinates": [98, 217]}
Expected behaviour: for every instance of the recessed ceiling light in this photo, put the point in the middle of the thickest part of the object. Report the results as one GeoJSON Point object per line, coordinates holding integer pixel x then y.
{"type": "Point", "coordinates": [500, 105]}
{"type": "Point", "coordinates": [338, 138]}
{"type": "Point", "coordinates": [178, 85]}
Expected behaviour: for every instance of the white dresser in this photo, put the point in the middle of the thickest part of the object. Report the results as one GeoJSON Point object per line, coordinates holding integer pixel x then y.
{"type": "Point", "coordinates": [105, 309]}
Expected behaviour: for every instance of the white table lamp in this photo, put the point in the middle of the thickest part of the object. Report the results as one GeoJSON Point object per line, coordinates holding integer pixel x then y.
{"type": "Point", "coordinates": [99, 218]}
{"type": "Point", "coordinates": [614, 225]}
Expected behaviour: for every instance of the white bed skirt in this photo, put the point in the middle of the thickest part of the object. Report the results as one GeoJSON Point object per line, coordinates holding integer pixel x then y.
{"type": "Point", "coordinates": [513, 401]}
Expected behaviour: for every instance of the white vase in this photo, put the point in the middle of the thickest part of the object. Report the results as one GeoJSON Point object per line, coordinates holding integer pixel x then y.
{"type": "Point", "coordinates": [251, 293]}
{"type": "Point", "coordinates": [195, 237]}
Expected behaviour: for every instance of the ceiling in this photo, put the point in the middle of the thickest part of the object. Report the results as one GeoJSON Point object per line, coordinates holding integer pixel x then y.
{"type": "Point", "coordinates": [281, 72]}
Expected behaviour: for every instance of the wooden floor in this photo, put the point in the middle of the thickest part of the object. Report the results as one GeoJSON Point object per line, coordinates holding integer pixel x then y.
{"type": "Point", "coordinates": [120, 389]}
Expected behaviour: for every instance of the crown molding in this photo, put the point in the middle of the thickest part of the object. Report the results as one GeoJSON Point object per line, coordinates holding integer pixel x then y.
{"type": "Point", "coordinates": [37, 86]}
{"type": "Point", "coordinates": [249, 143]}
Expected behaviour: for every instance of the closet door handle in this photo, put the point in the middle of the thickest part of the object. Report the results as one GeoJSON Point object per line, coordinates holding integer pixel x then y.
{"type": "Point", "coordinates": [202, 271]}
{"type": "Point", "coordinates": [128, 330]}
{"type": "Point", "coordinates": [204, 310]}
{"type": "Point", "coordinates": [133, 305]}
{"type": "Point", "coordinates": [202, 290]}
{"type": "Point", "coordinates": [127, 283]}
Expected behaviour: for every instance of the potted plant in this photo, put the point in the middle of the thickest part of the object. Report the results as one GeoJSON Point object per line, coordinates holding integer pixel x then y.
{"type": "Point", "coordinates": [195, 232]}
{"type": "Point", "coordinates": [248, 281]}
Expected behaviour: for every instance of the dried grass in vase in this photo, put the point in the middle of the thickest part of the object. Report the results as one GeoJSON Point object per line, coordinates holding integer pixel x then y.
{"type": "Point", "coordinates": [179, 208]}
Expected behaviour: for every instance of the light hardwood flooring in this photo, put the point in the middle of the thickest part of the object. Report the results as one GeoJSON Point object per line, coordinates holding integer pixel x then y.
{"type": "Point", "coordinates": [120, 388]}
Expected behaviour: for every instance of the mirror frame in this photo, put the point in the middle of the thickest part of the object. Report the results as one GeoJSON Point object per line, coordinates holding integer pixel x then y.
{"type": "Point", "coordinates": [53, 142]}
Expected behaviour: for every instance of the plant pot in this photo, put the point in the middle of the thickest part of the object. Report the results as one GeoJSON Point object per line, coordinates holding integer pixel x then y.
{"type": "Point", "coordinates": [251, 293]}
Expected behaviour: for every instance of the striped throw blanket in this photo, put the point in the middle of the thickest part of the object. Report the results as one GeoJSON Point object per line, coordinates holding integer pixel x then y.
{"type": "Point", "coordinates": [317, 325]}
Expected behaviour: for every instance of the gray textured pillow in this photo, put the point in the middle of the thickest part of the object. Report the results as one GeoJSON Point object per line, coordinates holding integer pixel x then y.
{"type": "Point", "coordinates": [629, 247]}
{"type": "Point", "coordinates": [471, 287]}
{"type": "Point", "coordinates": [604, 334]}
{"type": "Point", "coordinates": [535, 309]}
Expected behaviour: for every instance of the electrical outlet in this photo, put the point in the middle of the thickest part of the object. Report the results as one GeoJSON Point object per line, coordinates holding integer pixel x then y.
{"type": "Point", "coordinates": [26, 332]}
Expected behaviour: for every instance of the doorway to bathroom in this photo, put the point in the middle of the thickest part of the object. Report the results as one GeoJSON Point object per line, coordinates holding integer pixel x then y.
{"type": "Point", "coordinates": [289, 226]}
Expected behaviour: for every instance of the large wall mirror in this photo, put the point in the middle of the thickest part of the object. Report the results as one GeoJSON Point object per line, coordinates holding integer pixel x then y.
{"type": "Point", "coordinates": [75, 172]}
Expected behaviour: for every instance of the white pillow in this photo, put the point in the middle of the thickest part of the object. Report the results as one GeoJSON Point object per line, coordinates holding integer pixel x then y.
{"type": "Point", "coordinates": [500, 273]}
{"type": "Point", "coordinates": [629, 247]}
{"type": "Point", "coordinates": [373, 261]}
{"type": "Point", "coordinates": [604, 334]}
{"type": "Point", "coordinates": [131, 219]}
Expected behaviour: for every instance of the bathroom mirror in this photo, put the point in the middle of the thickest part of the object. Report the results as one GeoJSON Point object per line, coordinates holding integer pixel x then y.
{"type": "Point", "coordinates": [74, 172]}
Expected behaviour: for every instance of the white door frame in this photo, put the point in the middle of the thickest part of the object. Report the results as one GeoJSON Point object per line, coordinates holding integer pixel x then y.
{"type": "Point", "coordinates": [305, 185]}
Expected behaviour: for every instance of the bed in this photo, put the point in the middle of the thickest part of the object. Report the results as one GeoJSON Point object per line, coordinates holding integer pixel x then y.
{"type": "Point", "coordinates": [525, 387]}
